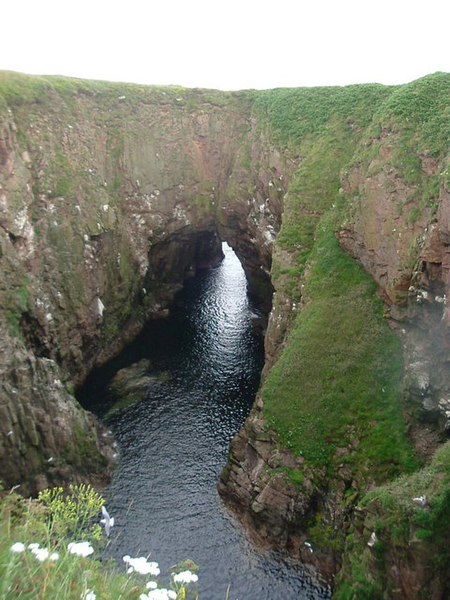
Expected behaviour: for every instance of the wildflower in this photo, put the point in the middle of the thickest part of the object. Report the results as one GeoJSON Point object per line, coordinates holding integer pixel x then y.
{"type": "Point", "coordinates": [421, 501]}
{"type": "Point", "coordinates": [80, 548]}
{"type": "Point", "coordinates": [18, 547]}
{"type": "Point", "coordinates": [141, 565]}
{"type": "Point", "coordinates": [185, 577]}
{"type": "Point", "coordinates": [89, 595]}
{"type": "Point", "coordinates": [40, 553]}
{"type": "Point", "coordinates": [151, 585]}
{"type": "Point", "coordinates": [54, 556]}
{"type": "Point", "coordinates": [159, 594]}
{"type": "Point", "coordinates": [33, 546]}
{"type": "Point", "coordinates": [107, 521]}
{"type": "Point", "coordinates": [373, 540]}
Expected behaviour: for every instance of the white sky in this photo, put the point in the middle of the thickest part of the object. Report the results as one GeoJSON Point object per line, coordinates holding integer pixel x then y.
{"type": "Point", "coordinates": [228, 44]}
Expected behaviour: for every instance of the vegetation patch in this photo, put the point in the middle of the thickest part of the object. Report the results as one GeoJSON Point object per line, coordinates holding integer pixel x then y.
{"type": "Point", "coordinates": [295, 113]}
{"type": "Point", "coordinates": [16, 303]}
{"type": "Point", "coordinates": [406, 522]}
{"type": "Point", "coordinates": [337, 383]}
{"type": "Point", "coordinates": [51, 548]}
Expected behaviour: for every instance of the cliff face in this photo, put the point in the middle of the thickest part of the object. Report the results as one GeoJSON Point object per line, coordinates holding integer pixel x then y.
{"type": "Point", "coordinates": [332, 421]}
{"type": "Point", "coordinates": [111, 195]}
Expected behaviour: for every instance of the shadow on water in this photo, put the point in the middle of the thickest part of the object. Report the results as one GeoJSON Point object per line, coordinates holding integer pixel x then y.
{"type": "Point", "coordinates": [205, 362]}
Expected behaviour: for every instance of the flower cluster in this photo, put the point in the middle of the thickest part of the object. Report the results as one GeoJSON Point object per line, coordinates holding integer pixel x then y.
{"type": "Point", "coordinates": [159, 594]}
{"type": "Point", "coordinates": [71, 517]}
{"type": "Point", "coordinates": [18, 548]}
{"type": "Point", "coordinates": [141, 565]}
{"type": "Point", "coordinates": [185, 577]}
{"type": "Point", "coordinates": [80, 548]}
{"type": "Point", "coordinates": [41, 554]}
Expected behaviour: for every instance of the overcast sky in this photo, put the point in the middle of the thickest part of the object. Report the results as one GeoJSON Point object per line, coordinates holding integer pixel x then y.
{"type": "Point", "coordinates": [228, 44]}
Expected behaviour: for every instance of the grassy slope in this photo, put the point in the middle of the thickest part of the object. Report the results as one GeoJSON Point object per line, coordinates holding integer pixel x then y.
{"type": "Point", "coordinates": [416, 121]}
{"type": "Point", "coordinates": [338, 380]}
{"type": "Point", "coordinates": [17, 89]}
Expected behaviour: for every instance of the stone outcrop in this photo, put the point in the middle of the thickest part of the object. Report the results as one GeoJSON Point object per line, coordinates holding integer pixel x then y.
{"type": "Point", "coordinates": [408, 256]}
{"type": "Point", "coordinates": [272, 507]}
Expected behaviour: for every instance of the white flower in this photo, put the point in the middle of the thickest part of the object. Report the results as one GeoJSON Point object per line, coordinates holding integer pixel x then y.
{"type": "Point", "coordinates": [80, 548]}
{"type": "Point", "coordinates": [41, 553]}
{"type": "Point", "coordinates": [185, 577]}
{"type": "Point", "coordinates": [33, 546]}
{"type": "Point", "coordinates": [18, 547]}
{"type": "Point", "coordinates": [142, 566]}
{"type": "Point", "coordinates": [89, 595]}
{"type": "Point", "coordinates": [373, 540]}
{"type": "Point", "coordinates": [151, 585]}
{"type": "Point", "coordinates": [159, 594]}
{"type": "Point", "coordinates": [54, 556]}
{"type": "Point", "coordinates": [421, 501]}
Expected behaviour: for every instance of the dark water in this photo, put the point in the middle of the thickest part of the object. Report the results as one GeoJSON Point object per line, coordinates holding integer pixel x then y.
{"type": "Point", "coordinates": [174, 443]}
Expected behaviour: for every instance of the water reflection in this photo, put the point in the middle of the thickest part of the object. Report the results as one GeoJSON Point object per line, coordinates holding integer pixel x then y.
{"type": "Point", "coordinates": [174, 443]}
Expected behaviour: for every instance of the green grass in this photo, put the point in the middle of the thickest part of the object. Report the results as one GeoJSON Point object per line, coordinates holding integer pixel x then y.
{"type": "Point", "coordinates": [63, 183]}
{"type": "Point", "coordinates": [295, 113]}
{"type": "Point", "coordinates": [423, 107]}
{"type": "Point", "coordinates": [321, 128]}
{"type": "Point", "coordinates": [412, 123]}
{"type": "Point", "coordinates": [17, 89]}
{"type": "Point", "coordinates": [313, 190]}
{"type": "Point", "coordinates": [337, 382]}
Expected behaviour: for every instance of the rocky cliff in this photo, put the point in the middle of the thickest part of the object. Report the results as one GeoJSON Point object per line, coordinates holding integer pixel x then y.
{"type": "Point", "coordinates": [337, 199]}
{"type": "Point", "coordinates": [355, 389]}
{"type": "Point", "coordinates": [110, 197]}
